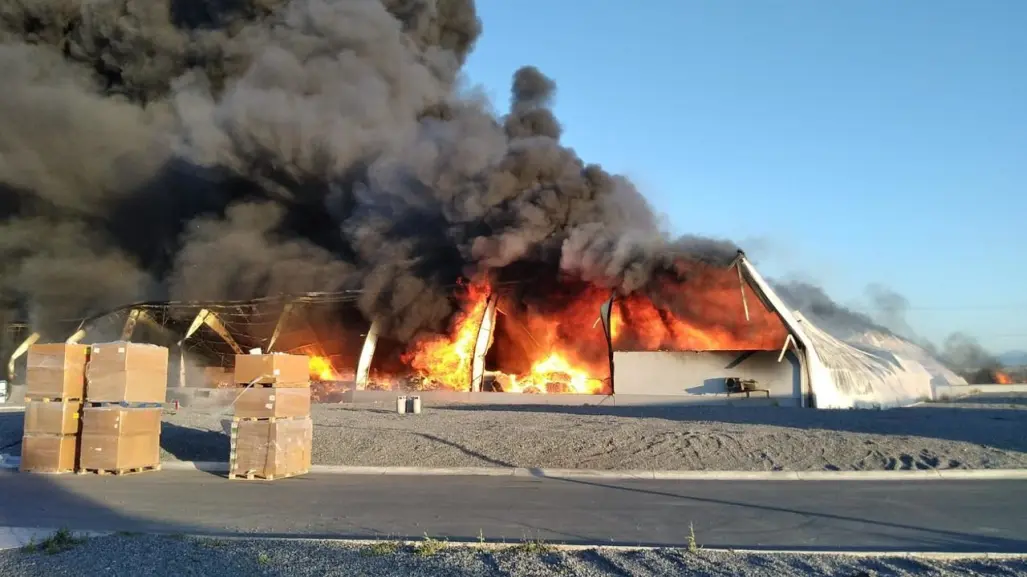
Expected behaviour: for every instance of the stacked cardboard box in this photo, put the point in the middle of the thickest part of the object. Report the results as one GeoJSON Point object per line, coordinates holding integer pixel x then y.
{"type": "Point", "coordinates": [272, 431]}
{"type": "Point", "coordinates": [126, 384]}
{"type": "Point", "coordinates": [55, 385]}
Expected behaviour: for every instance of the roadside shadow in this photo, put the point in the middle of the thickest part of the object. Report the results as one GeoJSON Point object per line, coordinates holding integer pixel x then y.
{"type": "Point", "coordinates": [465, 450]}
{"type": "Point", "coordinates": [12, 426]}
{"type": "Point", "coordinates": [1001, 428]}
{"type": "Point", "coordinates": [45, 502]}
{"type": "Point", "coordinates": [932, 539]}
{"type": "Point", "coordinates": [187, 444]}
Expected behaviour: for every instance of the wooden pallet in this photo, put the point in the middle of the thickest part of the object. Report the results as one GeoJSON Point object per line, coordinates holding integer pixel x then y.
{"type": "Point", "coordinates": [118, 472]}
{"type": "Point", "coordinates": [52, 400]}
{"type": "Point", "coordinates": [124, 404]}
{"type": "Point", "coordinates": [251, 476]}
{"type": "Point", "coordinates": [302, 385]}
{"type": "Point", "coordinates": [47, 471]}
{"type": "Point", "coordinates": [269, 419]}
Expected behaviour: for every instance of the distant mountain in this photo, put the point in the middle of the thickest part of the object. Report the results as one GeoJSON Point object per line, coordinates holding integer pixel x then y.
{"type": "Point", "coordinates": [1013, 358]}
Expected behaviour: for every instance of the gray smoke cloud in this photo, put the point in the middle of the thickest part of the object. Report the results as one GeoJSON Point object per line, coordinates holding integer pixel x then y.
{"type": "Point", "coordinates": [813, 302]}
{"type": "Point", "coordinates": [173, 149]}
{"type": "Point", "coordinates": [959, 351]}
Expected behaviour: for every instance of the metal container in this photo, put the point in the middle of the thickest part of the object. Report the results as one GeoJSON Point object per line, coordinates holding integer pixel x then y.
{"type": "Point", "coordinates": [401, 404]}
{"type": "Point", "coordinates": [415, 405]}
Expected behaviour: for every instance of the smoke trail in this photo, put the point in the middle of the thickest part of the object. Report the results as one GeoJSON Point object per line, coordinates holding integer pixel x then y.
{"type": "Point", "coordinates": [960, 351]}
{"type": "Point", "coordinates": [815, 303]}
{"type": "Point", "coordinates": [230, 150]}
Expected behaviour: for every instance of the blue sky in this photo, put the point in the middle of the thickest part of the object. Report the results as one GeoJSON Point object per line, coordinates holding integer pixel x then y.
{"type": "Point", "coordinates": [846, 142]}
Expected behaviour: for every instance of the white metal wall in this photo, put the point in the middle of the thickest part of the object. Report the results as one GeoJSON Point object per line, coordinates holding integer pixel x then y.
{"type": "Point", "coordinates": [701, 375]}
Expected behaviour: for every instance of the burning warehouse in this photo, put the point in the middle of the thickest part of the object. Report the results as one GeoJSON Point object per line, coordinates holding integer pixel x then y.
{"type": "Point", "coordinates": [711, 332]}
{"type": "Point", "coordinates": [228, 154]}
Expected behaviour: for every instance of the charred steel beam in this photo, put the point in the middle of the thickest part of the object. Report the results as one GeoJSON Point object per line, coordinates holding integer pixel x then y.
{"type": "Point", "coordinates": [147, 319]}
{"type": "Point", "coordinates": [18, 352]}
{"type": "Point", "coordinates": [212, 321]}
{"type": "Point", "coordinates": [195, 326]}
{"type": "Point", "coordinates": [282, 319]}
{"type": "Point", "coordinates": [366, 355]}
{"type": "Point", "coordinates": [739, 257]}
{"type": "Point", "coordinates": [486, 330]}
{"type": "Point", "coordinates": [311, 297]}
{"type": "Point", "coordinates": [784, 348]}
{"type": "Point", "coordinates": [741, 287]}
{"type": "Point", "coordinates": [605, 312]}
{"type": "Point", "coordinates": [130, 324]}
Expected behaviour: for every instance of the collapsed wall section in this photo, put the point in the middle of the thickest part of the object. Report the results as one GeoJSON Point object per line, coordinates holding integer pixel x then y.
{"type": "Point", "coordinates": [849, 377]}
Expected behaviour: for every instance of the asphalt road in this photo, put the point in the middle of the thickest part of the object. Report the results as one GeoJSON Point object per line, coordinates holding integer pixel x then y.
{"type": "Point", "coordinates": [934, 515]}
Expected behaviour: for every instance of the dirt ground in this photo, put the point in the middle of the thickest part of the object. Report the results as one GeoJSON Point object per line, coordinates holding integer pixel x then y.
{"type": "Point", "coordinates": [983, 432]}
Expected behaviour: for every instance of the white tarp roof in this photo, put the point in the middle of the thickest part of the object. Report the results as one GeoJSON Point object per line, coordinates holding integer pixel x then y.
{"type": "Point", "coordinates": [843, 375]}
{"type": "Point", "coordinates": [940, 374]}
{"type": "Point", "coordinates": [865, 376]}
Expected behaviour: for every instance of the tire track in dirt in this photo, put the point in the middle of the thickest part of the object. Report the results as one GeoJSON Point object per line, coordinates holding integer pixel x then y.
{"type": "Point", "coordinates": [707, 439]}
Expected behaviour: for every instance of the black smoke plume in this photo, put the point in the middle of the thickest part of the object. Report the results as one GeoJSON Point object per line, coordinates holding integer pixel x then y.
{"type": "Point", "coordinates": [216, 149]}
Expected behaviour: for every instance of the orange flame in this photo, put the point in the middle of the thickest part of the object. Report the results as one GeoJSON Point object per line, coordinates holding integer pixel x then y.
{"type": "Point", "coordinates": [561, 347]}
{"type": "Point", "coordinates": [321, 369]}
{"type": "Point", "coordinates": [1002, 378]}
{"type": "Point", "coordinates": [721, 314]}
{"type": "Point", "coordinates": [444, 361]}
{"type": "Point", "coordinates": [554, 374]}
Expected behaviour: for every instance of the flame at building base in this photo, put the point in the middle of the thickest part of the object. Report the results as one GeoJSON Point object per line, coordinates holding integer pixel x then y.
{"type": "Point", "coordinates": [446, 362]}
{"type": "Point", "coordinates": [559, 344]}
{"type": "Point", "coordinates": [442, 361]}
{"type": "Point", "coordinates": [321, 368]}
{"type": "Point", "coordinates": [549, 337]}
{"type": "Point", "coordinates": [554, 374]}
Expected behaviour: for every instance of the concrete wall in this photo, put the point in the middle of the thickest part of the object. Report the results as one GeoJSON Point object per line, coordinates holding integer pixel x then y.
{"type": "Point", "coordinates": [699, 376]}
{"type": "Point", "coordinates": [387, 399]}
{"type": "Point", "coordinates": [945, 392]}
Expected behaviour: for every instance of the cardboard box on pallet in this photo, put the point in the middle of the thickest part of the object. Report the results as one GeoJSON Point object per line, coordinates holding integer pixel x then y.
{"type": "Point", "coordinates": [274, 369]}
{"type": "Point", "coordinates": [53, 417]}
{"type": "Point", "coordinates": [267, 402]}
{"type": "Point", "coordinates": [49, 453]}
{"type": "Point", "coordinates": [127, 372]}
{"type": "Point", "coordinates": [115, 438]}
{"type": "Point", "coordinates": [270, 449]}
{"type": "Point", "coordinates": [56, 371]}
{"type": "Point", "coordinates": [217, 378]}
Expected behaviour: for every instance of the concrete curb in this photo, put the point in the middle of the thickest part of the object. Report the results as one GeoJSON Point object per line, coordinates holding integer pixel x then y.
{"type": "Point", "coordinates": [492, 546]}
{"type": "Point", "coordinates": [17, 537]}
{"type": "Point", "coordinates": [915, 475]}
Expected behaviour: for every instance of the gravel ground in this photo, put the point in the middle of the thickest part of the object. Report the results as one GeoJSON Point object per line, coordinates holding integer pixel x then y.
{"type": "Point", "coordinates": [185, 556]}
{"type": "Point", "coordinates": [983, 432]}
